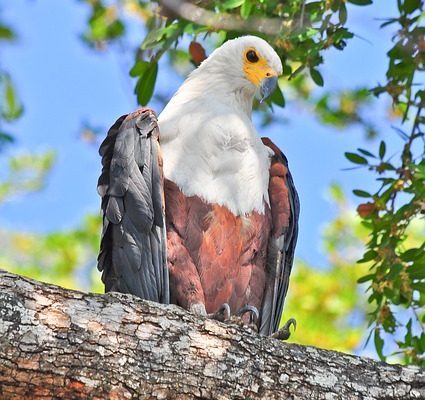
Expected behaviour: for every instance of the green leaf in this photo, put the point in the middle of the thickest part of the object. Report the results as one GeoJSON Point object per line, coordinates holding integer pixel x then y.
{"type": "Point", "coordinates": [342, 14]}
{"type": "Point", "coordinates": [368, 256]}
{"type": "Point", "coordinates": [366, 153]}
{"type": "Point", "coordinates": [146, 83]}
{"type": "Point", "coordinates": [416, 271]}
{"type": "Point", "coordinates": [336, 192]}
{"type": "Point", "coordinates": [6, 33]}
{"type": "Point", "coordinates": [379, 344]}
{"type": "Point", "coordinates": [5, 139]}
{"type": "Point", "coordinates": [419, 286]}
{"type": "Point", "coordinates": [316, 76]}
{"type": "Point", "coordinates": [390, 293]}
{"type": "Point", "coordinates": [355, 158]}
{"type": "Point", "coordinates": [408, 337]}
{"type": "Point", "coordinates": [386, 167]}
{"type": "Point", "coordinates": [309, 33]}
{"type": "Point", "coordinates": [410, 6]}
{"type": "Point", "coordinates": [139, 68]}
{"type": "Point", "coordinates": [411, 254]}
{"type": "Point", "coordinates": [116, 29]}
{"type": "Point", "coordinates": [152, 39]}
{"type": "Point", "coordinates": [13, 109]}
{"type": "Point", "coordinates": [366, 278]}
{"type": "Point", "coordinates": [334, 5]}
{"type": "Point", "coordinates": [394, 271]}
{"type": "Point", "coordinates": [361, 193]}
{"type": "Point", "coordinates": [229, 4]}
{"type": "Point", "coordinates": [287, 69]}
{"type": "Point", "coordinates": [246, 9]}
{"type": "Point", "coordinates": [360, 2]}
{"type": "Point", "coordinates": [382, 148]}
{"type": "Point", "coordinates": [155, 36]}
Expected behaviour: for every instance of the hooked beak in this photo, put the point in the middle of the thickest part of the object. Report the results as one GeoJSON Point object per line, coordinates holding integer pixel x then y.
{"type": "Point", "coordinates": [267, 87]}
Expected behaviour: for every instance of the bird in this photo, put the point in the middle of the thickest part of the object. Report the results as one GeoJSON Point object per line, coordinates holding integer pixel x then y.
{"type": "Point", "coordinates": [198, 209]}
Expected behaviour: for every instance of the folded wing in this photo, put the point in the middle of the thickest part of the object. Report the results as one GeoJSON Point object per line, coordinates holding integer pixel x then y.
{"type": "Point", "coordinates": [132, 255]}
{"type": "Point", "coordinates": [285, 209]}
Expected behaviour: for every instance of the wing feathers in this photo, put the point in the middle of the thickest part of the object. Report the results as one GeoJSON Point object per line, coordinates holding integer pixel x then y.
{"type": "Point", "coordinates": [157, 193]}
{"type": "Point", "coordinates": [133, 246]}
{"type": "Point", "coordinates": [114, 209]}
{"type": "Point", "coordinates": [285, 209]}
{"type": "Point", "coordinates": [138, 205]}
{"type": "Point", "coordinates": [121, 162]}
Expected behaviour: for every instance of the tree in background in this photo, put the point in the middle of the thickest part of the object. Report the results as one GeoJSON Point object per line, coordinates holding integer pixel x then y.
{"type": "Point", "coordinates": [10, 106]}
{"type": "Point", "coordinates": [388, 226]}
{"type": "Point", "coordinates": [25, 172]}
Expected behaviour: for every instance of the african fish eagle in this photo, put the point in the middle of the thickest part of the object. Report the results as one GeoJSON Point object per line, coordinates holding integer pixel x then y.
{"type": "Point", "coordinates": [198, 210]}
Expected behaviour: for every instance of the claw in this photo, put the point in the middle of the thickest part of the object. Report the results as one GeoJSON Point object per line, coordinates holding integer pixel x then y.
{"type": "Point", "coordinates": [238, 319]}
{"type": "Point", "coordinates": [222, 314]}
{"type": "Point", "coordinates": [198, 308]}
{"type": "Point", "coordinates": [253, 313]}
{"type": "Point", "coordinates": [284, 332]}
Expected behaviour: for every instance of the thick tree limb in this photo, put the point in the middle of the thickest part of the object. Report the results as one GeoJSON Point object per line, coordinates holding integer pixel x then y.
{"type": "Point", "coordinates": [66, 344]}
{"type": "Point", "coordinates": [228, 22]}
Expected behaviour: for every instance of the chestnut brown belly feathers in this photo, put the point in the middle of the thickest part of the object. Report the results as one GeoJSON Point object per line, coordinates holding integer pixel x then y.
{"type": "Point", "coordinates": [214, 256]}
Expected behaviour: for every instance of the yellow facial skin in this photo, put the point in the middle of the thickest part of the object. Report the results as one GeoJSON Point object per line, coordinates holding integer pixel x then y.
{"type": "Point", "coordinates": [258, 70]}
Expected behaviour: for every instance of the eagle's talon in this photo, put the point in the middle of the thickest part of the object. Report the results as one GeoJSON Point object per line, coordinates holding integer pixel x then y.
{"type": "Point", "coordinates": [238, 317]}
{"type": "Point", "coordinates": [253, 313]}
{"type": "Point", "coordinates": [284, 333]}
{"type": "Point", "coordinates": [222, 314]}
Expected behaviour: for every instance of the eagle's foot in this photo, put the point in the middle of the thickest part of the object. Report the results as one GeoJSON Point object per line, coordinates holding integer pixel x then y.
{"type": "Point", "coordinates": [198, 308]}
{"type": "Point", "coordinates": [222, 314]}
{"type": "Point", "coordinates": [239, 317]}
{"type": "Point", "coordinates": [284, 333]}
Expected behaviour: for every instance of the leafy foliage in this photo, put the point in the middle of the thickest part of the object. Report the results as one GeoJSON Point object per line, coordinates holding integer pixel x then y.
{"type": "Point", "coordinates": [103, 24]}
{"type": "Point", "coordinates": [26, 173]}
{"type": "Point", "coordinates": [10, 106]}
{"type": "Point", "coordinates": [63, 258]}
{"type": "Point", "coordinates": [11, 109]}
{"type": "Point", "coordinates": [391, 214]}
{"type": "Point", "coordinates": [302, 31]}
{"type": "Point", "coordinates": [337, 108]}
{"type": "Point", "coordinates": [330, 297]}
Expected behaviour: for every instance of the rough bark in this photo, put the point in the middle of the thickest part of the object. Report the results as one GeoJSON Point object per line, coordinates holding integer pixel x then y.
{"type": "Point", "coordinates": [58, 343]}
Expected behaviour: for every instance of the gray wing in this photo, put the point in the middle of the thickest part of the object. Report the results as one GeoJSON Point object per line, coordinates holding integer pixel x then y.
{"type": "Point", "coordinates": [285, 208]}
{"type": "Point", "coordinates": [132, 255]}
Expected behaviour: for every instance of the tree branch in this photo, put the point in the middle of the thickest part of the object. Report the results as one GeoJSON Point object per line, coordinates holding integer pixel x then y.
{"type": "Point", "coordinates": [224, 21]}
{"type": "Point", "coordinates": [67, 344]}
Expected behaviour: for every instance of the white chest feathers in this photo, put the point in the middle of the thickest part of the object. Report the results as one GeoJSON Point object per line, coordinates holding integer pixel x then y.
{"type": "Point", "coordinates": [217, 156]}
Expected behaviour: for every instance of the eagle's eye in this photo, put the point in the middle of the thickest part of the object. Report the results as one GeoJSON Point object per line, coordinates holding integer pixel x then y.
{"type": "Point", "coordinates": [251, 56]}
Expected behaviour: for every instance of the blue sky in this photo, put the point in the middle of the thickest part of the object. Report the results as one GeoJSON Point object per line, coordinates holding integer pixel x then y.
{"type": "Point", "coordinates": [63, 83]}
